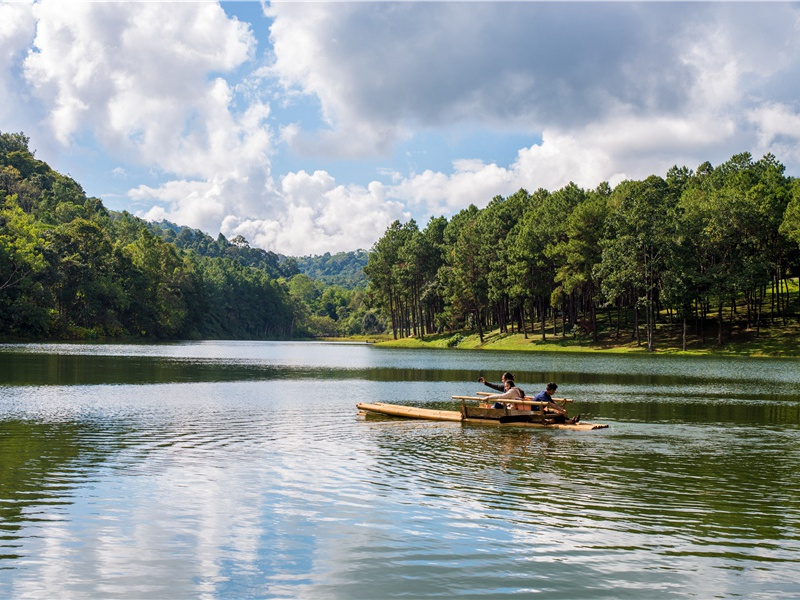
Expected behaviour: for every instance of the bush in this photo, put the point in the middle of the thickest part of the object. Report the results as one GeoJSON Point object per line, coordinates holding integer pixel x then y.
{"type": "Point", "coordinates": [454, 341]}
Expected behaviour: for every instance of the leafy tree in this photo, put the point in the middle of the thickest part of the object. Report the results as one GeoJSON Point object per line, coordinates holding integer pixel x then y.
{"type": "Point", "coordinates": [580, 253]}
{"type": "Point", "coordinates": [790, 226]}
{"type": "Point", "coordinates": [85, 284]}
{"type": "Point", "coordinates": [636, 245]}
{"type": "Point", "coordinates": [23, 305]}
{"type": "Point", "coordinates": [380, 269]}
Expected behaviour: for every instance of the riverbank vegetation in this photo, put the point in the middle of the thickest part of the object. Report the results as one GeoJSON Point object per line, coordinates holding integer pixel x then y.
{"type": "Point", "coordinates": [698, 259]}
{"type": "Point", "coordinates": [70, 269]}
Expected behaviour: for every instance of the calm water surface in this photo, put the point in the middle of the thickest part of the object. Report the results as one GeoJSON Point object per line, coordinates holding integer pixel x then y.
{"type": "Point", "coordinates": [241, 470]}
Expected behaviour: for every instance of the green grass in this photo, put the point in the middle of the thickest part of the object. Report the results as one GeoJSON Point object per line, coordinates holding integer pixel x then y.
{"type": "Point", "coordinates": [775, 342]}
{"type": "Point", "coordinates": [774, 339]}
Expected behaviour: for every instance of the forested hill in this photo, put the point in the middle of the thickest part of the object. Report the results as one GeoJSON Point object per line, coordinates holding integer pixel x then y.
{"type": "Point", "coordinates": [238, 249]}
{"type": "Point", "coordinates": [71, 269]}
{"type": "Point", "coordinates": [345, 269]}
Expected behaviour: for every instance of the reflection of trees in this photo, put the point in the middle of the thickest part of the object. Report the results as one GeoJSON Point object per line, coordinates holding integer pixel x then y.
{"type": "Point", "coordinates": [670, 489]}
{"type": "Point", "coordinates": [755, 413]}
{"type": "Point", "coordinates": [38, 462]}
{"type": "Point", "coordinates": [69, 369]}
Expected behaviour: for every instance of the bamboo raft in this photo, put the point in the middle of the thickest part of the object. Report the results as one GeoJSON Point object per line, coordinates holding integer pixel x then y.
{"type": "Point", "coordinates": [471, 413]}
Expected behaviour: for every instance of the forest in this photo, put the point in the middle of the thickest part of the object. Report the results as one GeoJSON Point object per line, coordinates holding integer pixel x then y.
{"type": "Point", "coordinates": [705, 253]}
{"type": "Point", "coordinates": [71, 269]}
{"type": "Point", "coordinates": [698, 253]}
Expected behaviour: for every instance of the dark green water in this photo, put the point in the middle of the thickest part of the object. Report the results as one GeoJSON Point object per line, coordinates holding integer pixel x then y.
{"type": "Point", "coordinates": [241, 470]}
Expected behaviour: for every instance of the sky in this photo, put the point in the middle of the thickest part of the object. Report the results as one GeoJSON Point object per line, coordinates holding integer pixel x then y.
{"type": "Point", "coordinates": [309, 127]}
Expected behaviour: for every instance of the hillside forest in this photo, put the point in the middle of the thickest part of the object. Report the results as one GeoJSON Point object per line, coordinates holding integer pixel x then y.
{"type": "Point", "coordinates": [71, 269]}
{"type": "Point", "coordinates": [705, 252]}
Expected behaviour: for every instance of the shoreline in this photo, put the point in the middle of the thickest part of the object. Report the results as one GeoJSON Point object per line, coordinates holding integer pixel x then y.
{"type": "Point", "coordinates": [778, 344]}
{"type": "Point", "coordinates": [782, 343]}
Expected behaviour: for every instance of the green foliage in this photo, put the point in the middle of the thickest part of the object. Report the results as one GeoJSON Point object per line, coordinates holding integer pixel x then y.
{"type": "Point", "coordinates": [343, 269]}
{"type": "Point", "coordinates": [71, 269]}
{"type": "Point", "coordinates": [685, 246]}
{"type": "Point", "coordinates": [790, 226]}
{"type": "Point", "coordinates": [23, 304]}
{"type": "Point", "coordinates": [237, 249]}
{"type": "Point", "coordinates": [454, 341]}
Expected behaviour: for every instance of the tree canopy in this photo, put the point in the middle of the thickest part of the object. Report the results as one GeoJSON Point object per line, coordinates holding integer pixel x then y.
{"type": "Point", "coordinates": [690, 247]}
{"type": "Point", "coordinates": [70, 269]}
{"type": "Point", "coordinates": [706, 249]}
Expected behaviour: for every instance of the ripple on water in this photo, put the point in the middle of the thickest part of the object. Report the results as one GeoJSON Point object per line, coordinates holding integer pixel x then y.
{"type": "Point", "coordinates": [256, 489]}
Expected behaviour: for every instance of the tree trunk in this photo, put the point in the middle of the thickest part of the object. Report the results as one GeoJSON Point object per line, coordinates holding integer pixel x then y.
{"type": "Point", "coordinates": [391, 313]}
{"type": "Point", "coordinates": [683, 336]}
{"type": "Point", "coordinates": [542, 316]}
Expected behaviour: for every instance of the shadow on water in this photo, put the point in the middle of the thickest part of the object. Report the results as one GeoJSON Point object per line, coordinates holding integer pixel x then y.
{"type": "Point", "coordinates": [19, 369]}
{"type": "Point", "coordinates": [26, 368]}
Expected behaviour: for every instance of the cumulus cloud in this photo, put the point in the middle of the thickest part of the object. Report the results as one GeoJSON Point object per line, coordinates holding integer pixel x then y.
{"type": "Point", "coordinates": [145, 80]}
{"type": "Point", "coordinates": [614, 90]}
{"type": "Point", "coordinates": [610, 90]}
{"type": "Point", "coordinates": [321, 216]}
{"type": "Point", "coordinates": [136, 75]}
{"type": "Point", "coordinates": [382, 68]}
{"type": "Point", "coordinates": [17, 29]}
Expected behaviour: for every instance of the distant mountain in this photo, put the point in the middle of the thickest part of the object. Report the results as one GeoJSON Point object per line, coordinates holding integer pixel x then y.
{"type": "Point", "coordinates": [345, 269]}
{"type": "Point", "coordinates": [237, 249]}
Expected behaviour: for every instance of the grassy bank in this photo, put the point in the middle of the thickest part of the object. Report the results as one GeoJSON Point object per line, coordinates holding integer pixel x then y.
{"type": "Point", "coordinates": [783, 341]}
{"type": "Point", "coordinates": [777, 337]}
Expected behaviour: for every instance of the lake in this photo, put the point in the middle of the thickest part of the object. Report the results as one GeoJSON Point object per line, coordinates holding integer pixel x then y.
{"type": "Point", "coordinates": [242, 470]}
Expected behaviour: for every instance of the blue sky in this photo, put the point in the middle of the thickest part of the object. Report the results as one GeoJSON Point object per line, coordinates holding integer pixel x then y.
{"type": "Point", "coordinates": [309, 127]}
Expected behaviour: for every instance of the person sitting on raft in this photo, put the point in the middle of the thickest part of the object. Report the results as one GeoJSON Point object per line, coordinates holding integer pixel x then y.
{"type": "Point", "coordinates": [512, 392]}
{"type": "Point", "coordinates": [559, 412]}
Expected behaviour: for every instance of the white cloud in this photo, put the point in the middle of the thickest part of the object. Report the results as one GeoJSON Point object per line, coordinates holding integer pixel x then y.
{"type": "Point", "coordinates": [136, 76]}
{"type": "Point", "coordinates": [778, 127]}
{"type": "Point", "coordinates": [17, 29]}
{"type": "Point", "coordinates": [320, 216]}
{"type": "Point", "coordinates": [613, 90]}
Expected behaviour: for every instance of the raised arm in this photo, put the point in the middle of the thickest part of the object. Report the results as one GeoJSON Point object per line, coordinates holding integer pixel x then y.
{"type": "Point", "coordinates": [494, 386]}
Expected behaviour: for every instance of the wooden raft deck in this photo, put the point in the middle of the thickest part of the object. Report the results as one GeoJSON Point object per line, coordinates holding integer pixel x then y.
{"type": "Point", "coordinates": [412, 412]}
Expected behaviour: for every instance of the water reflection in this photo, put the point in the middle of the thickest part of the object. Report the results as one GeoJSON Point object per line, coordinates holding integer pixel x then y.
{"type": "Point", "coordinates": [229, 476]}
{"type": "Point", "coordinates": [608, 376]}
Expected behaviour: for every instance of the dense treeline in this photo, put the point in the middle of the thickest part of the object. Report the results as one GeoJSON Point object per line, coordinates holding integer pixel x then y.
{"type": "Point", "coordinates": [702, 250]}
{"type": "Point", "coordinates": [69, 268]}
{"type": "Point", "coordinates": [705, 251]}
{"type": "Point", "coordinates": [345, 269]}
{"type": "Point", "coordinates": [237, 249]}
{"type": "Point", "coordinates": [326, 291]}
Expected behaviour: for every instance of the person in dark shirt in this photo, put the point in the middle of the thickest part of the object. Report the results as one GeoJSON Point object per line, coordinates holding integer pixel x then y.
{"type": "Point", "coordinates": [501, 387]}
{"type": "Point", "coordinates": [559, 412]}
